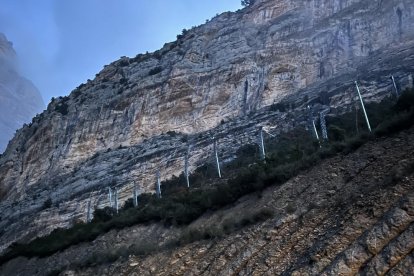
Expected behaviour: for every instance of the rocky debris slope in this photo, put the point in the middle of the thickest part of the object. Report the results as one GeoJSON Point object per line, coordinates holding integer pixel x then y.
{"type": "Point", "coordinates": [19, 98]}
{"type": "Point", "coordinates": [217, 79]}
{"type": "Point", "coordinates": [351, 214]}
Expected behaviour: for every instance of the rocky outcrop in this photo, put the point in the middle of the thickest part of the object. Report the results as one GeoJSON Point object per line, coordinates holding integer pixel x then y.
{"type": "Point", "coordinates": [140, 114]}
{"type": "Point", "coordinates": [19, 98]}
{"type": "Point", "coordinates": [351, 215]}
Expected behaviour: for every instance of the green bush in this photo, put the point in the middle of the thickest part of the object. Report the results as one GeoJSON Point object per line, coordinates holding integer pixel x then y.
{"type": "Point", "coordinates": [47, 204]}
{"type": "Point", "coordinates": [54, 272]}
{"type": "Point", "coordinates": [405, 101]}
{"type": "Point", "coordinates": [395, 124]}
{"type": "Point", "coordinates": [280, 106]}
{"type": "Point", "coordinates": [246, 3]}
{"type": "Point", "coordinates": [336, 133]}
{"type": "Point", "coordinates": [155, 71]}
{"type": "Point", "coordinates": [62, 108]}
{"type": "Point", "coordinates": [103, 215]}
{"type": "Point", "coordinates": [226, 227]}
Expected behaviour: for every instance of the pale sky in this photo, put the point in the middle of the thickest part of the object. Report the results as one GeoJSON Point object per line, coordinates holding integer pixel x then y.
{"type": "Point", "coordinates": [62, 43]}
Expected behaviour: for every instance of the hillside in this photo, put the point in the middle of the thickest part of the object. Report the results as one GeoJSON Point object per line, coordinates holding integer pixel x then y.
{"type": "Point", "coordinates": [351, 214]}
{"type": "Point", "coordinates": [260, 67]}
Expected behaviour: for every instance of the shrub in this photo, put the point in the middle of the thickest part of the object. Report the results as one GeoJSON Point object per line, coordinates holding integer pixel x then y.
{"type": "Point", "coordinates": [47, 204]}
{"type": "Point", "coordinates": [77, 92]}
{"type": "Point", "coordinates": [106, 257]}
{"type": "Point", "coordinates": [281, 106]}
{"type": "Point", "coordinates": [54, 272]}
{"type": "Point", "coordinates": [226, 227]}
{"type": "Point", "coordinates": [182, 35]}
{"type": "Point", "coordinates": [336, 133]}
{"type": "Point", "coordinates": [405, 101]}
{"type": "Point", "coordinates": [124, 62]}
{"type": "Point", "coordinates": [155, 71]}
{"type": "Point", "coordinates": [397, 123]}
{"type": "Point", "coordinates": [103, 215]}
{"type": "Point", "coordinates": [142, 249]}
{"type": "Point", "coordinates": [290, 208]}
{"type": "Point", "coordinates": [128, 204]}
{"type": "Point", "coordinates": [246, 3]}
{"type": "Point", "coordinates": [62, 108]}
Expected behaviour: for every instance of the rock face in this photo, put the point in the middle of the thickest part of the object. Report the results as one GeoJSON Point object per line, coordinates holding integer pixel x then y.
{"type": "Point", "coordinates": [140, 114]}
{"type": "Point", "coordinates": [350, 215]}
{"type": "Point", "coordinates": [19, 98]}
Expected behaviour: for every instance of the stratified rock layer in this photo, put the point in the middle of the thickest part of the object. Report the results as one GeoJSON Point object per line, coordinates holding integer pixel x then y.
{"type": "Point", "coordinates": [139, 114]}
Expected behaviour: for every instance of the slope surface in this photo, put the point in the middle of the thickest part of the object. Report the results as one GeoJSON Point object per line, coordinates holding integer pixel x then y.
{"type": "Point", "coordinates": [352, 214]}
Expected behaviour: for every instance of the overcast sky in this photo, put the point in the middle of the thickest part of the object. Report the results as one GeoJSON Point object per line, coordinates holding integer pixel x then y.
{"type": "Point", "coordinates": [62, 43]}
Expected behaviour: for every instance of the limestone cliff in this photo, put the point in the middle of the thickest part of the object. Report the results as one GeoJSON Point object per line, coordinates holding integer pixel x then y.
{"type": "Point", "coordinates": [140, 113]}
{"type": "Point", "coordinates": [19, 98]}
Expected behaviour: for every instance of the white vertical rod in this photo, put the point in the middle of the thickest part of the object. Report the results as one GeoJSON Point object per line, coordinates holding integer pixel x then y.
{"type": "Point", "coordinates": [217, 159]}
{"type": "Point", "coordinates": [323, 125]}
{"type": "Point", "coordinates": [187, 178]}
{"type": "Point", "coordinates": [116, 200]}
{"type": "Point", "coordinates": [313, 123]}
{"type": "Point", "coordinates": [314, 129]}
{"type": "Point", "coordinates": [363, 106]}
{"type": "Point", "coordinates": [395, 86]}
{"type": "Point", "coordinates": [262, 144]}
{"type": "Point", "coordinates": [135, 195]}
{"type": "Point", "coordinates": [158, 190]}
{"type": "Point", "coordinates": [88, 216]}
{"type": "Point", "coordinates": [110, 197]}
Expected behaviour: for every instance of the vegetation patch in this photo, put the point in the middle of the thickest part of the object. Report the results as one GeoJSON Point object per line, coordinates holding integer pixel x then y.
{"type": "Point", "coordinates": [155, 71]}
{"type": "Point", "coordinates": [62, 107]}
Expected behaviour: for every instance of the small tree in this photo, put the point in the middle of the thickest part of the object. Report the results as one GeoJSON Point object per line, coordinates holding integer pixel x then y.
{"type": "Point", "coordinates": [47, 204]}
{"type": "Point", "coordinates": [246, 3]}
{"type": "Point", "coordinates": [103, 215]}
